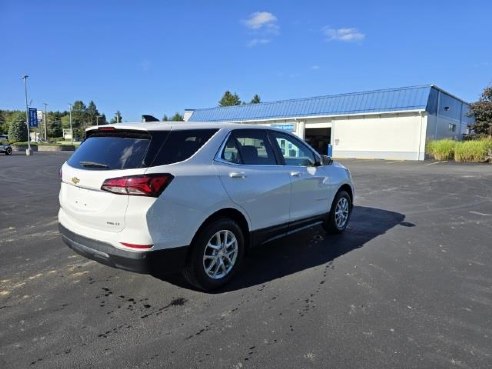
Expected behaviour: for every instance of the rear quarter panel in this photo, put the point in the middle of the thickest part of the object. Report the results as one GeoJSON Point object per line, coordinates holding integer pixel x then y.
{"type": "Point", "coordinates": [194, 194]}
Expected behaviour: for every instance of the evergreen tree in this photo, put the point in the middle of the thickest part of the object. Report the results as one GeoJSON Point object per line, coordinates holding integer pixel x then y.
{"type": "Point", "coordinates": [117, 118]}
{"type": "Point", "coordinates": [102, 119]}
{"type": "Point", "coordinates": [79, 114]}
{"type": "Point", "coordinates": [255, 100]}
{"type": "Point", "coordinates": [229, 99]}
{"type": "Point", "coordinates": [177, 117]}
{"type": "Point", "coordinates": [92, 113]}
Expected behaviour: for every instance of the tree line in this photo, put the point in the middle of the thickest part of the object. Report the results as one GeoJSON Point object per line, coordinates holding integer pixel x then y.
{"type": "Point", "coordinates": [83, 116]}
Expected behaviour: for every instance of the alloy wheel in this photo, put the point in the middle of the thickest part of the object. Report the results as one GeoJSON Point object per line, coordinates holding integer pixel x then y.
{"type": "Point", "coordinates": [220, 254]}
{"type": "Point", "coordinates": [342, 212]}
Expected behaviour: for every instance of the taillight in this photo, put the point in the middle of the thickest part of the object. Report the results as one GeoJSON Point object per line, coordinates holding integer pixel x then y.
{"type": "Point", "coordinates": [140, 185]}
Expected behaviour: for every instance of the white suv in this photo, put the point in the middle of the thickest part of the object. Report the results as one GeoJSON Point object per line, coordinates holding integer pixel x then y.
{"type": "Point", "coordinates": [157, 197]}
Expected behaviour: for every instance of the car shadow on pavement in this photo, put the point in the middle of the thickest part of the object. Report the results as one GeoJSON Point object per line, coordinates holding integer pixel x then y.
{"type": "Point", "coordinates": [307, 249]}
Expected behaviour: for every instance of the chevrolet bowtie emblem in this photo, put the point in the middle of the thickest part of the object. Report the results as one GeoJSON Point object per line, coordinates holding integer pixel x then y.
{"type": "Point", "coordinates": [75, 180]}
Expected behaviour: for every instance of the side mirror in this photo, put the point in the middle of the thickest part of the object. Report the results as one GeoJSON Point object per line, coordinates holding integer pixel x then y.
{"type": "Point", "coordinates": [326, 160]}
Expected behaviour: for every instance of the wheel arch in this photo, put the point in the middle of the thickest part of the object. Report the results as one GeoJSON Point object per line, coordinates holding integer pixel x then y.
{"type": "Point", "coordinates": [228, 213]}
{"type": "Point", "coordinates": [347, 188]}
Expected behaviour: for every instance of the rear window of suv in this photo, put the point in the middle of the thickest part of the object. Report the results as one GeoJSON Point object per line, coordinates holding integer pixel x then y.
{"type": "Point", "coordinates": [129, 149]}
{"type": "Point", "coordinates": [109, 150]}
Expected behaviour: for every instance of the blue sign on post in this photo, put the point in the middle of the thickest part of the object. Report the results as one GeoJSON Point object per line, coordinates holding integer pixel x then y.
{"type": "Point", "coordinates": [33, 117]}
{"type": "Point", "coordinates": [285, 127]}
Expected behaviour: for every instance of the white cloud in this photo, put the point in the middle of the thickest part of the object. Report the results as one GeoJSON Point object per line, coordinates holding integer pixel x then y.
{"type": "Point", "coordinates": [343, 34]}
{"type": "Point", "coordinates": [315, 67]}
{"type": "Point", "coordinates": [263, 28]}
{"type": "Point", "coordinates": [262, 20]}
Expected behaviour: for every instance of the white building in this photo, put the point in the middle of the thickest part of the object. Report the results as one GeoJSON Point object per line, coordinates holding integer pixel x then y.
{"type": "Point", "coordinates": [382, 124]}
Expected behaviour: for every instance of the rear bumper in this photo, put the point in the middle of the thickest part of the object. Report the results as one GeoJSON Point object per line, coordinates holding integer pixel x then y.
{"type": "Point", "coordinates": [148, 262]}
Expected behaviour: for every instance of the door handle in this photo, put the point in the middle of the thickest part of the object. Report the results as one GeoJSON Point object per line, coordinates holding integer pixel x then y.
{"type": "Point", "coordinates": [237, 175]}
{"type": "Point", "coordinates": [295, 174]}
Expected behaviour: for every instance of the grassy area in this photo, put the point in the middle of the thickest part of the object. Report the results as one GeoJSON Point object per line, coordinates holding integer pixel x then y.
{"type": "Point", "coordinates": [461, 151]}
{"type": "Point", "coordinates": [441, 149]}
{"type": "Point", "coordinates": [472, 151]}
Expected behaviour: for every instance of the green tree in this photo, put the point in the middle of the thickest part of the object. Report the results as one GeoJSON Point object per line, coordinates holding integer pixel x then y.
{"type": "Point", "coordinates": [92, 113]}
{"type": "Point", "coordinates": [177, 117]}
{"type": "Point", "coordinates": [482, 111]}
{"type": "Point", "coordinates": [165, 118]}
{"type": "Point", "coordinates": [117, 118]}
{"type": "Point", "coordinates": [55, 129]}
{"type": "Point", "coordinates": [13, 116]}
{"type": "Point", "coordinates": [65, 121]}
{"type": "Point", "coordinates": [229, 99]}
{"type": "Point", "coordinates": [79, 114]}
{"type": "Point", "coordinates": [18, 131]}
{"type": "Point", "coordinates": [102, 119]}
{"type": "Point", "coordinates": [3, 123]}
{"type": "Point", "coordinates": [255, 100]}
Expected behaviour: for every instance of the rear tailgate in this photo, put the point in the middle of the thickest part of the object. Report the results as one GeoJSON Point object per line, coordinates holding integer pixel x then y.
{"type": "Point", "coordinates": [105, 154]}
{"type": "Point", "coordinates": [83, 201]}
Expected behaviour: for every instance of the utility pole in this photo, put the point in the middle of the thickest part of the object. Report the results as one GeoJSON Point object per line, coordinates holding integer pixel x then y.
{"type": "Point", "coordinates": [71, 130]}
{"type": "Point", "coordinates": [97, 119]}
{"type": "Point", "coordinates": [28, 150]}
{"type": "Point", "coordinates": [45, 120]}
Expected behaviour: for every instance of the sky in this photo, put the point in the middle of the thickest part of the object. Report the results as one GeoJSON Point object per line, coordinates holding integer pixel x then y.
{"type": "Point", "coordinates": [161, 57]}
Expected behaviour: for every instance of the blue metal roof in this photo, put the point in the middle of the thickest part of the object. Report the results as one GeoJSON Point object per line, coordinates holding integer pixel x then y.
{"type": "Point", "coordinates": [397, 99]}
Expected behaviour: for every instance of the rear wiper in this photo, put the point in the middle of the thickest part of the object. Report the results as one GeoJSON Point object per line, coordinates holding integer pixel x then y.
{"type": "Point", "coordinates": [92, 164]}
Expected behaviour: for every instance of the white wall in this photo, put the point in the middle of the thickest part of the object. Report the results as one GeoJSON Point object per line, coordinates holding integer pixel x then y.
{"type": "Point", "coordinates": [386, 136]}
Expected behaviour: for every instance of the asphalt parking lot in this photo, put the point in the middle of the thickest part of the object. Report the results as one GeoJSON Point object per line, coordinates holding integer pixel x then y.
{"type": "Point", "coordinates": [409, 285]}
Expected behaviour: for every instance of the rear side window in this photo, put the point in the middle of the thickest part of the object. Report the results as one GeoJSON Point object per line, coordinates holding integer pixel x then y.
{"type": "Point", "coordinates": [112, 150]}
{"type": "Point", "coordinates": [250, 147]}
{"type": "Point", "coordinates": [181, 145]}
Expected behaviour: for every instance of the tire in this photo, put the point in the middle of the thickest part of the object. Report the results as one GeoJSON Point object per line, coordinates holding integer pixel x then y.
{"type": "Point", "coordinates": [340, 212]}
{"type": "Point", "coordinates": [216, 254]}
{"type": "Point", "coordinates": [8, 151]}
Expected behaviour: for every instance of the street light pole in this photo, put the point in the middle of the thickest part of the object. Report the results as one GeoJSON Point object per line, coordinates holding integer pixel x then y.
{"type": "Point", "coordinates": [28, 150]}
{"type": "Point", "coordinates": [97, 119]}
{"type": "Point", "coordinates": [45, 120]}
{"type": "Point", "coordinates": [71, 130]}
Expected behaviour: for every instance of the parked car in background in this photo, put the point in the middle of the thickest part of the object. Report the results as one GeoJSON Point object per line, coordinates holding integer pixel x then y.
{"type": "Point", "coordinates": [156, 198]}
{"type": "Point", "coordinates": [4, 145]}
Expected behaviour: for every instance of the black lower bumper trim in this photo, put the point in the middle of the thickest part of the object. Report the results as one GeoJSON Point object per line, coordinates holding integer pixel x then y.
{"type": "Point", "coordinates": [148, 262]}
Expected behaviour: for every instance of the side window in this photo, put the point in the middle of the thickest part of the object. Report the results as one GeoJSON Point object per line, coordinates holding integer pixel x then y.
{"type": "Point", "coordinates": [249, 147]}
{"type": "Point", "coordinates": [294, 151]}
{"type": "Point", "coordinates": [182, 144]}
{"type": "Point", "coordinates": [231, 153]}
